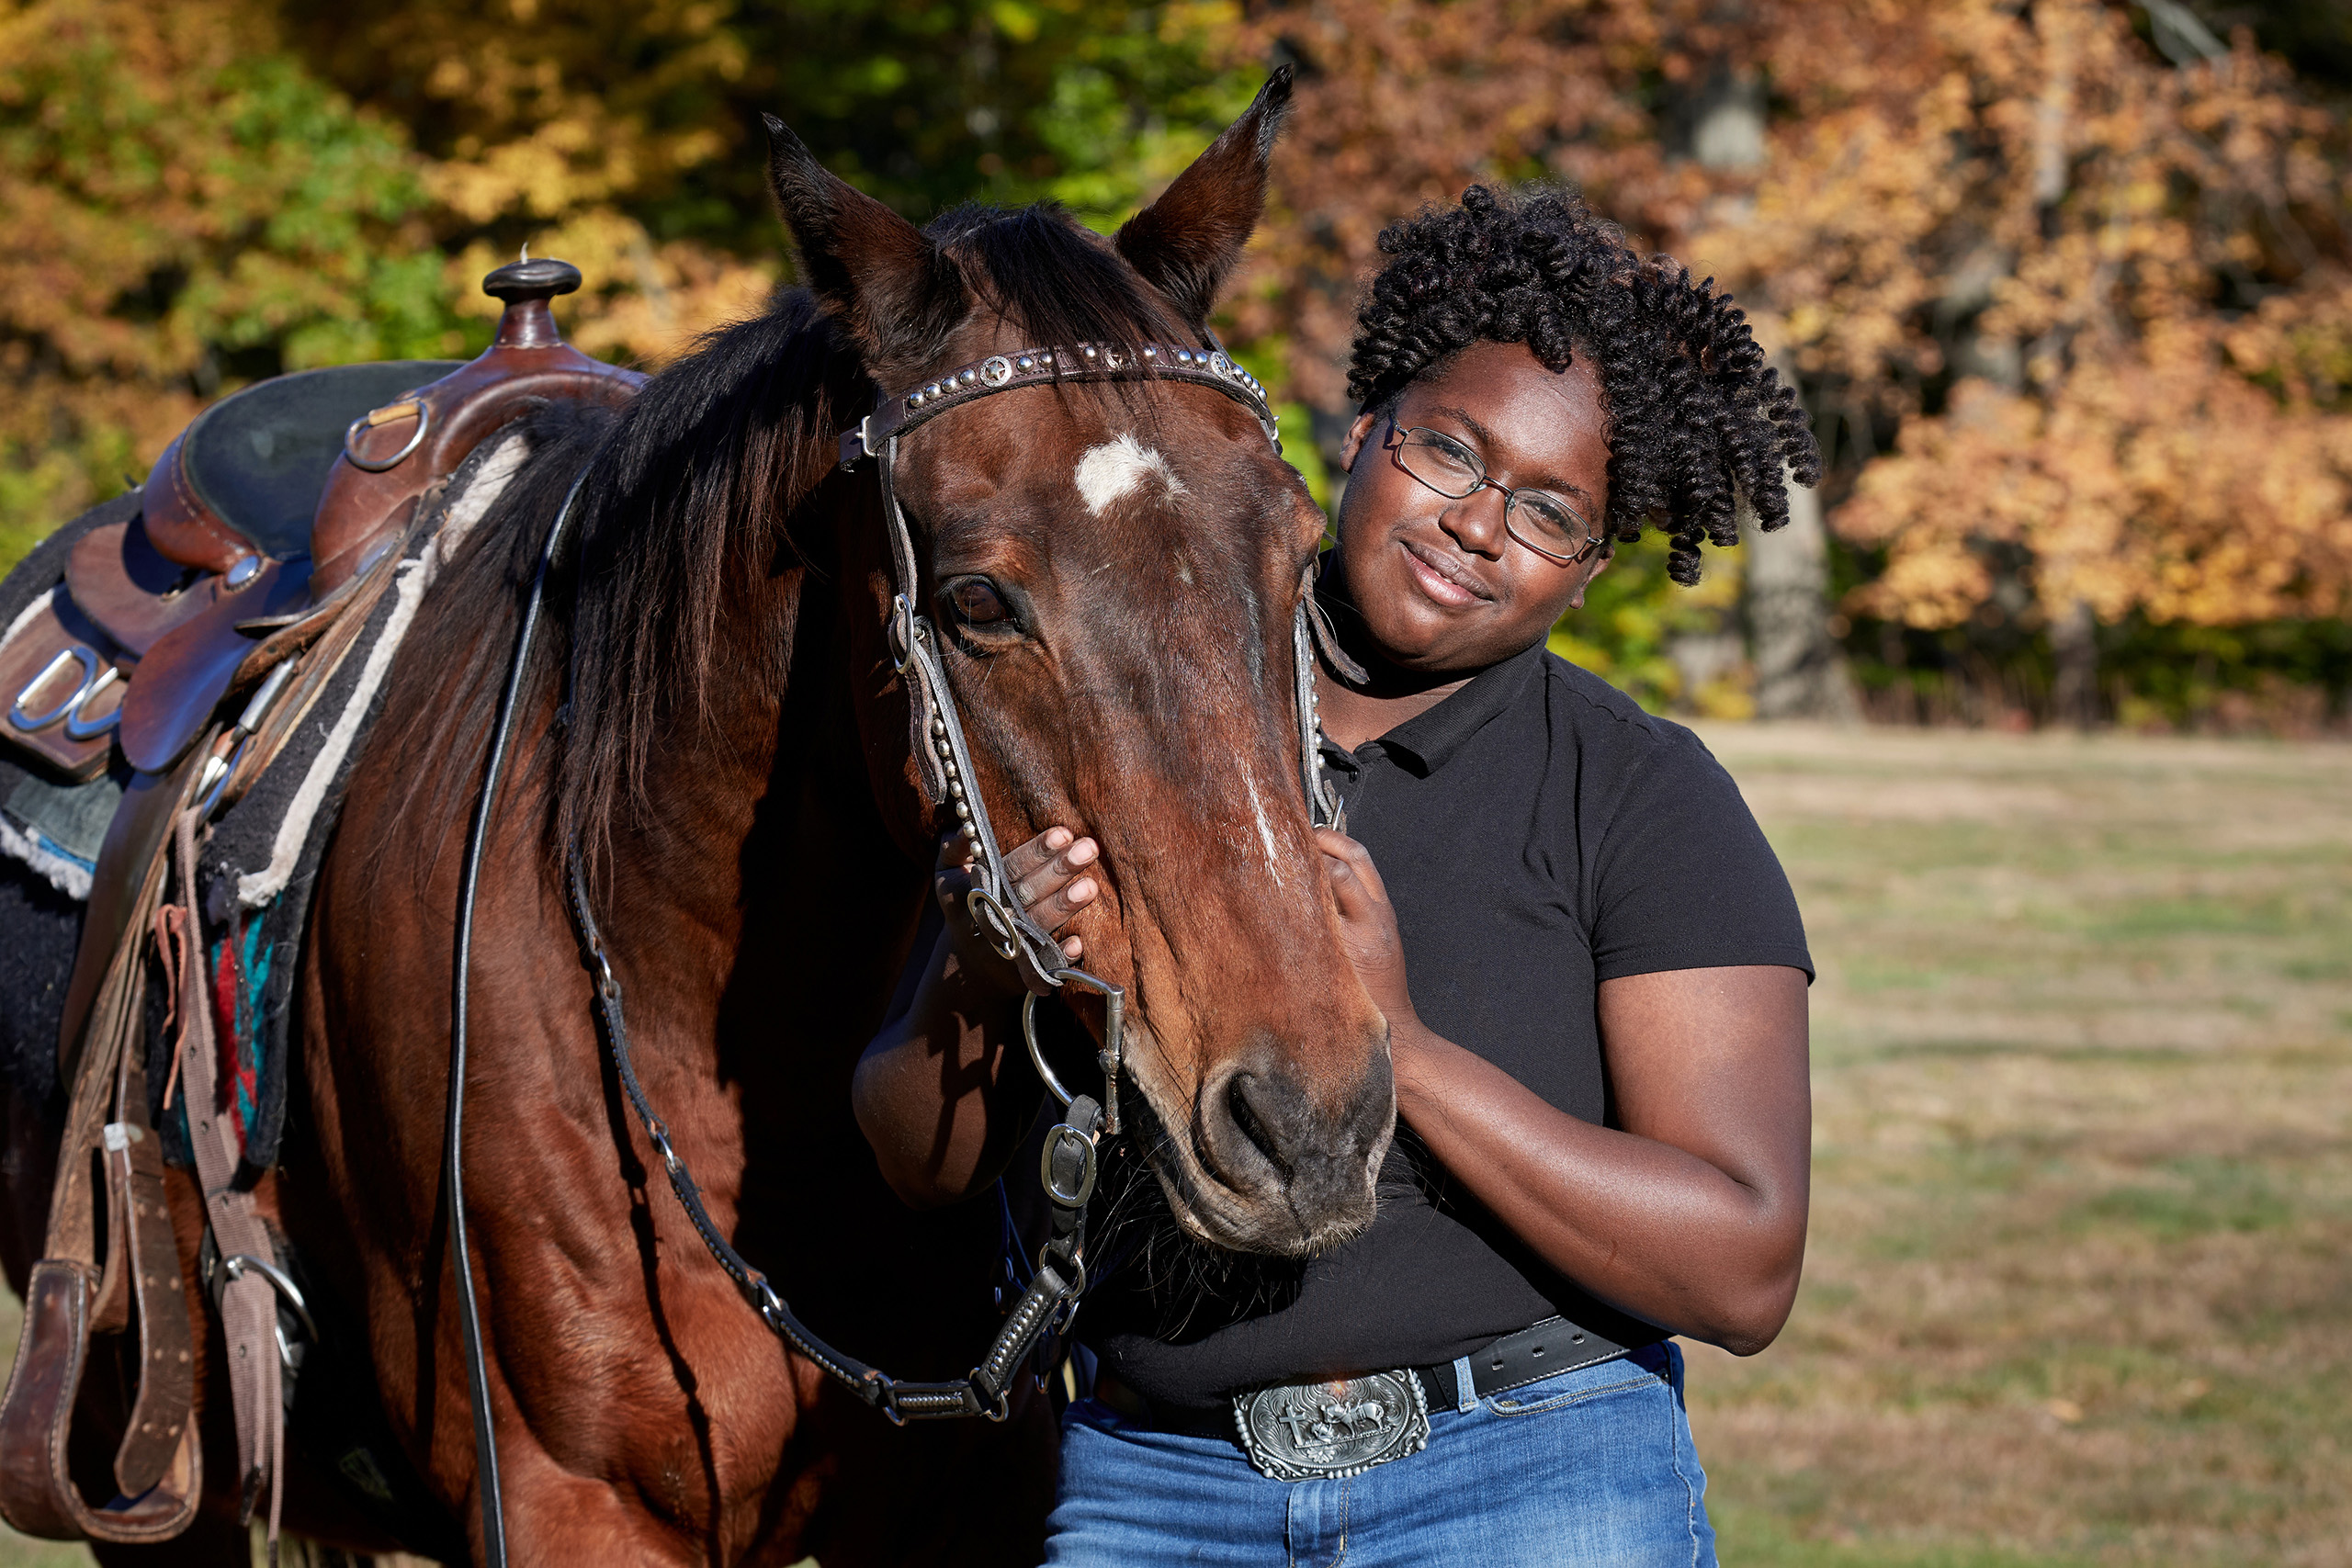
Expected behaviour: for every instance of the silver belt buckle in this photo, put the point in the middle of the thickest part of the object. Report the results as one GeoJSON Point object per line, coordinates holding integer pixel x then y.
{"type": "Point", "coordinates": [1308, 1430]}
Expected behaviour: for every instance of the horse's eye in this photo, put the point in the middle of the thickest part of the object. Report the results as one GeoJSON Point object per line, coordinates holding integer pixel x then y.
{"type": "Point", "coordinates": [978, 604]}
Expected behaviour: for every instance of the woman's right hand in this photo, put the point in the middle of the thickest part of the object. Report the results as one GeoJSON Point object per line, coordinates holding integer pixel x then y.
{"type": "Point", "coordinates": [1049, 877]}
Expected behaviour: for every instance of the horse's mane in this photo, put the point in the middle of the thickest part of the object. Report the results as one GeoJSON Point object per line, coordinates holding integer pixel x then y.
{"type": "Point", "coordinates": [687, 487]}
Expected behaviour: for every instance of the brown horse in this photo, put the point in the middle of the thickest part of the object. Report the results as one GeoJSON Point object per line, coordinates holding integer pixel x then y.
{"type": "Point", "coordinates": [716, 718]}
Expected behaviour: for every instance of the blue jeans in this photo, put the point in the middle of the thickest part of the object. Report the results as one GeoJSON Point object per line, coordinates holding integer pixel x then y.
{"type": "Point", "coordinates": [1578, 1471]}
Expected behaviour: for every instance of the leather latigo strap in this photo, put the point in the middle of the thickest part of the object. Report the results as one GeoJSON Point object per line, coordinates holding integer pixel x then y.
{"type": "Point", "coordinates": [161, 1412]}
{"type": "Point", "coordinates": [248, 1303]}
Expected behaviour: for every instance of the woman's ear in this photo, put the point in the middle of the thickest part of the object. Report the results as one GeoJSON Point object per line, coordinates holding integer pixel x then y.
{"type": "Point", "coordinates": [1357, 434]}
{"type": "Point", "coordinates": [1599, 564]}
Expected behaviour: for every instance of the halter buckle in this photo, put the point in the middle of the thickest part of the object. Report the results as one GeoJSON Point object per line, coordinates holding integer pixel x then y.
{"type": "Point", "coordinates": [994, 922]}
{"type": "Point", "coordinates": [856, 444]}
{"type": "Point", "coordinates": [901, 632]}
{"type": "Point", "coordinates": [1080, 1186]}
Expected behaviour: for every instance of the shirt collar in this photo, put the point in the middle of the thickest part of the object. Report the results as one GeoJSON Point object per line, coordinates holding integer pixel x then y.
{"type": "Point", "coordinates": [1431, 740]}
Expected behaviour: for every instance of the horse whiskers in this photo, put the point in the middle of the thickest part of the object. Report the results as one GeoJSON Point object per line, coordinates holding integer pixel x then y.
{"type": "Point", "coordinates": [1184, 1276]}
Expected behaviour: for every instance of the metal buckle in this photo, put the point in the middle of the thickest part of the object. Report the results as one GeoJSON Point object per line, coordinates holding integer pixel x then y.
{"type": "Point", "coordinates": [1313, 1430]}
{"type": "Point", "coordinates": [901, 629]}
{"type": "Point", "coordinates": [856, 444]}
{"type": "Point", "coordinates": [1062, 1136]}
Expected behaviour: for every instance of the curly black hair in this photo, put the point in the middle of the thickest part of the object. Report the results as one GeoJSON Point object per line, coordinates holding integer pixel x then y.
{"type": "Point", "coordinates": [1697, 419]}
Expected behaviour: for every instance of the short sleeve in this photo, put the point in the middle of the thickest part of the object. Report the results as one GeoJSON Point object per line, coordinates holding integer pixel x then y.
{"type": "Point", "coordinates": [1684, 878]}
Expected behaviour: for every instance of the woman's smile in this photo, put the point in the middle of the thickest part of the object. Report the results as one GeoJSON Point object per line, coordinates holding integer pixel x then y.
{"type": "Point", "coordinates": [1441, 577]}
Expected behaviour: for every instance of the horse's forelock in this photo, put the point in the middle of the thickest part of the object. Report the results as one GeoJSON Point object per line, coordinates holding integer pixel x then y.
{"type": "Point", "coordinates": [1054, 281]}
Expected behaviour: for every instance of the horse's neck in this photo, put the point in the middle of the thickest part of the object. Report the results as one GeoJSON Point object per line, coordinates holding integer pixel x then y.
{"type": "Point", "coordinates": [771, 911]}
{"type": "Point", "coordinates": [764, 840]}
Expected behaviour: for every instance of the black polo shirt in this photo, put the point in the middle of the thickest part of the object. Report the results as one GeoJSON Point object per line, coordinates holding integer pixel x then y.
{"type": "Point", "coordinates": [1538, 833]}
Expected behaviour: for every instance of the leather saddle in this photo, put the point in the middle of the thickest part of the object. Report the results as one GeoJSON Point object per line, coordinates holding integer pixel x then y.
{"type": "Point", "coordinates": [260, 522]}
{"type": "Point", "coordinates": [261, 535]}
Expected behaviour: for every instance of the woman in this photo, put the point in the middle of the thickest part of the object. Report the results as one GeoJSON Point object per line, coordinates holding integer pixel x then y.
{"type": "Point", "coordinates": [1592, 968]}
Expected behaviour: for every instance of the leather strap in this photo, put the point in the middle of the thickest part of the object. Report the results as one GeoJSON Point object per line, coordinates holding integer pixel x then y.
{"type": "Point", "coordinates": [160, 1463]}
{"type": "Point", "coordinates": [1546, 1349]}
{"type": "Point", "coordinates": [897, 414]}
{"type": "Point", "coordinates": [248, 1301]}
{"type": "Point", "coordinates": [37, 1494]}
{"type": "Point", "coordinates": [163, 1410]}
{"type": "Point", "coordinates": [1543, 1350]}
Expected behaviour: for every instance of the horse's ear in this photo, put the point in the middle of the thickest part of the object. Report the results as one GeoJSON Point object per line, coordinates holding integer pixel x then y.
{"type": "Point", "coordinates": [1186, 243]}
{"type": "Point", "coordinates": [881, 277]}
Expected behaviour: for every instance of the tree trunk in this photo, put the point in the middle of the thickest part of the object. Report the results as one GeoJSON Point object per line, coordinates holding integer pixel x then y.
{"type": "Point", "coordinates": [1800, 669]}
{"type": "Point", "coordinates": [2074, 644]}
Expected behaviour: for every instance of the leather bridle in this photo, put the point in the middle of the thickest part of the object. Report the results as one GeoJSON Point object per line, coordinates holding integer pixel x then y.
{"type": "Point", "coordinates": [1068, 1163]}
{"type": "Point", "coordinates": [938, 741]}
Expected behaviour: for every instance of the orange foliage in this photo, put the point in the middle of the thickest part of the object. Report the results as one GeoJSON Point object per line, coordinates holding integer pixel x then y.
{"type": "Point", "coordinates": [170, 196]}
{"type": "Point", "coordinates": [2026, 215]}
{"type": "Point", "coordinates": [2105, 301]}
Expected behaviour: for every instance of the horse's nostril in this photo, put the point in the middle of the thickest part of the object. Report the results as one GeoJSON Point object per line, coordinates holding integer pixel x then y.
{"type": "Point", "coordinates": [1245, 1117]}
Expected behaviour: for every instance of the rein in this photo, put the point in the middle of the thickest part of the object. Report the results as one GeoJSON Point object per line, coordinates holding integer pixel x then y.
{"type": "Point", "coordinates": [1068, 1164]}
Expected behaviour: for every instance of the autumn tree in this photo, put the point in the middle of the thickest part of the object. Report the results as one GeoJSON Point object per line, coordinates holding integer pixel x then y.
{"type": "Point", "coordinates": [203, 193]}
{"type": "Point", "coordinates": [2092, 295]}
{"type": "Point", "coordinates": [2064, 284]}
{"type": "Point", "coordinates": [185, 210]}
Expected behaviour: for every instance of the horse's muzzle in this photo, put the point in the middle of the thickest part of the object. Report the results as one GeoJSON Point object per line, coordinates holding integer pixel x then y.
{"type": "Point", "coordinates": [1296, 1157]}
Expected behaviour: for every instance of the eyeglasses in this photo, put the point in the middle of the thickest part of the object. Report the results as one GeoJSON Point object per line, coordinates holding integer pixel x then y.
{"type": "Point", "coordinates": [1536, 518]}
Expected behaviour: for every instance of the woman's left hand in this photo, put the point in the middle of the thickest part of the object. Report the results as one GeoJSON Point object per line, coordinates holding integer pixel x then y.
{"type": "Point", "coordinates": [1368, 927]}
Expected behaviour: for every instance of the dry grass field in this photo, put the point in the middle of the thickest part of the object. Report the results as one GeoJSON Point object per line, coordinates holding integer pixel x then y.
{"type": "Point", "coordinates": [2081, 1268]}
{"type": "Point", "coordinates": [2081, 1277]}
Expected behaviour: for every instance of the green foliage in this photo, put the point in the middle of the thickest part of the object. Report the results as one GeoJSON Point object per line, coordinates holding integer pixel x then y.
{"type": "Point", "coordinates": [2272, 676]}
{"type": "Point", "coordinates": [654, 107]}
{"type": "Point", "coordinates": [187, 209]}
{"type": "Point", "coordinates": [1088, 103]}
{"type": "Point", "coordinates": [1634, 614]}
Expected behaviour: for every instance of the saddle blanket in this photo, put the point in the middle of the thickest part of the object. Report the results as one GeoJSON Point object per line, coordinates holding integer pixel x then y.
{"type": "Point", "coordinates": [259, 859]}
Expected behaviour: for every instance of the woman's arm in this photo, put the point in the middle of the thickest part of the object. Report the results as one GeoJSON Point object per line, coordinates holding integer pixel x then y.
{"type": "Point", "coordinates": [1692, 1216]}
{"type": "Point", "coordinates": [944, 1091]}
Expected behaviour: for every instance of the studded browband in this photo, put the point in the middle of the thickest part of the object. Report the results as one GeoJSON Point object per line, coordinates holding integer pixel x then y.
{"type": "Point", "coordinates": [897, 414]}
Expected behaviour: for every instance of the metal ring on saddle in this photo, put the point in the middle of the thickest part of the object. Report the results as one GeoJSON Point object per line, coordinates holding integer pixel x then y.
{"type": "Point", "coordinates": [385, 415]}
{"type": "Point", "coordinates": [78, 727]}
{"type": "Point", "coordinates": [72, 653]}
{"type": "Point", "coordinates": [237, 1265]}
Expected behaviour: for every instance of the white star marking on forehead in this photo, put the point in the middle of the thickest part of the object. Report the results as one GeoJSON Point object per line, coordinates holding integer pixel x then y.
{"type": "Point", "coordinates": [1118, 468]}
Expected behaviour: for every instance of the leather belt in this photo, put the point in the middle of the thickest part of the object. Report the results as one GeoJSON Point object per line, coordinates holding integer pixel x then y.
{"type": "Point", "coordinates": [1543, 1350]}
